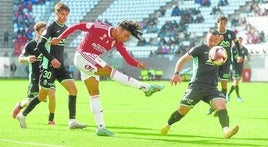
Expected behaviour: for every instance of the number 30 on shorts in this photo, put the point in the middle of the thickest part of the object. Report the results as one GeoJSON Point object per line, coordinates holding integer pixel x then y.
{"type": "Point", "coordinates": [47, 74]}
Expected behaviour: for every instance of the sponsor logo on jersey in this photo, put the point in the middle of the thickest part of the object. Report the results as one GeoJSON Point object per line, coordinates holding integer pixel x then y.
{"type": "Point", "coordinates": [225, 44]}
{"type": "Point", "coordinates": [98, 47]}
{"type": "Point", "coordinates": [88, 67]}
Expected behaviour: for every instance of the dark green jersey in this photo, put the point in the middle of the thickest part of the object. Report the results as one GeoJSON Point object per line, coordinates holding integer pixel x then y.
{"type": "Point", "coordinates": [244, 52]}
{"type": "Point", "coordinates": [53, 51]}
{"type": "Point", "coordinates": [204, 72]}
{"type": "Point", "coordinates": [228, 36]}
{"type": "Point", "coordinates": [236, 65]}
{"type": "Point", "coordinates": [31, 49]}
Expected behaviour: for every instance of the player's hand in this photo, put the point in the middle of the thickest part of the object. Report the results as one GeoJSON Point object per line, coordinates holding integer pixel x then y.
{"type": "Point", "coordinates": [31, 59]}
{"type": "Point", "coordinates": [54, 41]}
{"type": "Point", "coordinates": [175, 79]}
{"type": "Point", "coordinates": [239, 59]}
{"type": "Point", "coordinates": [142, 65]}
{"type": "Point", "coordinates": [220, 39]}
{"type": "Point", "coordinates": [55, 63]}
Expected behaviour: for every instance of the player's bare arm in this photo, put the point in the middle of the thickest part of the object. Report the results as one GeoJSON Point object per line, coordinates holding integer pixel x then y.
{"type": "Point", "coordinates": [238, 47]}
{"type": "Point", "coordinates": [55, 41]}
{"type": "Point", "coordinates": [31, 58]}
{"type": "Point", "coordinates": [176, 77]}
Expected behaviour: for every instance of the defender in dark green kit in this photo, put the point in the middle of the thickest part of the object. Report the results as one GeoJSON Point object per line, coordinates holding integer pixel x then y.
{"type": "Point", "coordinates": [227, 38]}
{"type": "Point", "coordinates": [34, 57]}
{"type": "Point", "coordinates": [203, 86]}
{"type": "Point", "coordinates": [53, 68]}
{"type": "Point", "coordinates": [237, 69]}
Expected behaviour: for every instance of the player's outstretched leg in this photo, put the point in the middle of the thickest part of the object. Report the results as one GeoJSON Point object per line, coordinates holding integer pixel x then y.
{"type": "Point", "coordinates": [129, 81]}
{"type": "Point", "coordinates": [154, 88]}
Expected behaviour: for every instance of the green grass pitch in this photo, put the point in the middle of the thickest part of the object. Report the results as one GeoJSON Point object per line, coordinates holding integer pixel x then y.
{"type": "Point", "coordinates": [135, 119]}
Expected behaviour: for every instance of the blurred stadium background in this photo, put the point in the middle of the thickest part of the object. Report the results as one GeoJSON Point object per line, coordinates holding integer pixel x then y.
{"type": "Point", "coordinates": [171, 27]}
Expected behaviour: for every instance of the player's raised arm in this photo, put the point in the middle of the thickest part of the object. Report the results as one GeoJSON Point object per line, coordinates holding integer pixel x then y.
{"type": "Point", "coordinates": [83, 26]}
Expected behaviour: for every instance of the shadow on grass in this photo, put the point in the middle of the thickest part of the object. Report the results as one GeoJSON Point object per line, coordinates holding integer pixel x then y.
{"type": "Point", "coordinates": [145, 134]}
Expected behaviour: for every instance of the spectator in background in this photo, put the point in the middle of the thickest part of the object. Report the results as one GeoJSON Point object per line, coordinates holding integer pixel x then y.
{"type": "Point", "coordinates": [223, 3]}
{"type": "Point", "coordinates": [216, 10]}
{"type": "Point", "coordinates": [71, 69]}
{"type": "Point", "coordinates": [176, 11]}
{"type": "Point", "coordinates": [261, 36]}
{"type": "Point", "coordinates": [65, 56]}
{"type": "Point", "coordinates": [199, 18]}
{"type": "Point", "coordinates": [206, 3]}
{"type": "Point", "coordinates": [6, 38]}
{"type": "Point", "coordinates": [13, 68]}
{"type": "Point", "coordinates": [6, 54]}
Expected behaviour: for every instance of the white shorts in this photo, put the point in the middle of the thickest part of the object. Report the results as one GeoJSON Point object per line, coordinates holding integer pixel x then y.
{"type": "Point", "coordinates": [88, 64]}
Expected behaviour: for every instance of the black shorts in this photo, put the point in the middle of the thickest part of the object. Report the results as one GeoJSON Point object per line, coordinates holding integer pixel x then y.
{"type": "Point", "coordinates": [224, 71]}
{"type": "Point", "coordinates": [49, 75]}
{"type": "Point", "coordinates": [33, 87]}
{"type": "Point", "coordinates": [237, 70]}
{"type": "Point", "coordinates": [203, 92]}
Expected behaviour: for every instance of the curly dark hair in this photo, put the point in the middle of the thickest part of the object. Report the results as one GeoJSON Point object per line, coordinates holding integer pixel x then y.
{"type": "Point", "coordinates": [133, 27]}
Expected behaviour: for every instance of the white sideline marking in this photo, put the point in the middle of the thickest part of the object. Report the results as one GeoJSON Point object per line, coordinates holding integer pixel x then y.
{"type": "Point", "coordinates": [30, 143]}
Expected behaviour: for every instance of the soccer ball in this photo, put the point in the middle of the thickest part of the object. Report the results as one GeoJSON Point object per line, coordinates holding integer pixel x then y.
{"type": "Point", "coordinates": [217, 55]}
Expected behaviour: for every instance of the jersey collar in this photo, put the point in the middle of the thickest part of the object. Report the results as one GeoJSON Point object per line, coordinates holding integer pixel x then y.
{"type": "Point", "coordinates": [222, 32]}
{"type": "Point", "coordinates": [110, 32]}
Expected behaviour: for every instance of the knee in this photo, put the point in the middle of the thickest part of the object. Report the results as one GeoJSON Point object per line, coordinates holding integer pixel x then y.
{"type": "Point", "coordinates": [41, 98]}
{"type": "Point", "coordinates": [183, 110]}
{"type": "Point", "coordinates": [109, 69]}
{"type": "Point", "coordinates": [105, 71]}
{"type": "Point", "coordinates": [73, 91]}
{"type": "Point", "coordinates": [51, 94]}
{"type": "Point", "coordinates": [219, 104]}
{"type": "Point", "coordinates": [93, 91]}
